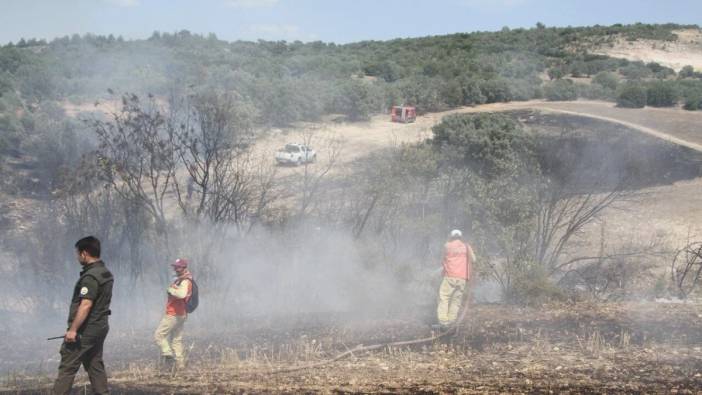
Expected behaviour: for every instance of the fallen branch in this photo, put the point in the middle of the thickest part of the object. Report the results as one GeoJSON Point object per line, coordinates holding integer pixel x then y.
{"type": "Point", "coordinates": [362, 348]}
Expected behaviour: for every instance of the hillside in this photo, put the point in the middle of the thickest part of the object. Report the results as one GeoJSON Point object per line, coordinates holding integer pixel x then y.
{"type": "Point", "coordinates": [685, 50]}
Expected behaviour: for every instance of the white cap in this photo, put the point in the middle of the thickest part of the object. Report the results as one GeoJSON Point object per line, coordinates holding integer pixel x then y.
{"type": "Point", "coordinates": [456, 233]}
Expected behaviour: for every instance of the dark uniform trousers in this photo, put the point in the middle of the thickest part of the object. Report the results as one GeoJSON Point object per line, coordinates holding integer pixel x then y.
{"type": "Point", "coordinates": [87, 351]}
{"type": "Point", "coordinates": [95, 283]}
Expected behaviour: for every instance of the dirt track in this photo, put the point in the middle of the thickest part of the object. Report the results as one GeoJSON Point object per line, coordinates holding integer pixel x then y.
{"type": "Point", "coordinates": [673, 125]}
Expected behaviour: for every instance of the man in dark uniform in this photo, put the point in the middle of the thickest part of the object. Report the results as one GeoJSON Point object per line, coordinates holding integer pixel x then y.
{"type": "Point", "coordinates": [87, 321]}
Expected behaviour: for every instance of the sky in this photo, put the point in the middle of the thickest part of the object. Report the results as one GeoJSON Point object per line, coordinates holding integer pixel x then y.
{"type": "Point", "coordinates": [339, 21]}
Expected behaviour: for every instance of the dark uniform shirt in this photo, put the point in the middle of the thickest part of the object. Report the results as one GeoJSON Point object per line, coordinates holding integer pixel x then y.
{"type": "Point", "coordinates": [95, 283]}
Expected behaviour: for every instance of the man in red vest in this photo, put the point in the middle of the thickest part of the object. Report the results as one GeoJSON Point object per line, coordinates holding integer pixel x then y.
{"type": "Point", "coordinates": [457, 262]}
{"type": "Point", "coordinates": [169, 334]}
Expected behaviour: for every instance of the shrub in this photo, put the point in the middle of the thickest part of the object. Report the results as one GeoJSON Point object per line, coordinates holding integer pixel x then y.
{"type": "Point", "coordinates": [607, 80]}
{"type": "Point", "coordinates": [356, 100]}
{"type": "Point", "coordinates": [632, 95]}
{"type": "Point", "coordinates": [661, 94]}
{"type": "Point", "coordinates": [497, 90]}
{"type": "Point", "coordinates": [636, 71]}
{"type": "Point", "coordinates": [472, 93]}
{"type": "Point", "coordinates": [523, 90]}
{"type": "Point", "coordinates": [595, 92]}
{"type": "Point", "coordinates": [555, 73]}
{"type": "Point", "coordinates": [687, 72]}
{"type": "Point", "coordinates": [531, 286]}
{"type": "Point", "coordinates": [693, 103]}
{"type": "Point", "coordinates": [560, 90]}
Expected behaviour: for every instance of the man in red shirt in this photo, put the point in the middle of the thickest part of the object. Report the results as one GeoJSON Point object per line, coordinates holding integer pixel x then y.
{"type": "Point", "coordinates": [169, 334]}
{"type": "Point", "coordinates": [457, 262]}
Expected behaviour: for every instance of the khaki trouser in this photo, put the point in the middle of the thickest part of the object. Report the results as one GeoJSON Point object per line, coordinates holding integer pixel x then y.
{"type": "Point", "coordinates": [450, 299]}
{"type": "Point", "coordinates": [169, 337]}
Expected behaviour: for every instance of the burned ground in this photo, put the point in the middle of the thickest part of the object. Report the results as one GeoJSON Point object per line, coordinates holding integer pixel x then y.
{"type": "Point", "coordinates": [600, 153]}
{"type": "Point", "coordinates": [612, 348]}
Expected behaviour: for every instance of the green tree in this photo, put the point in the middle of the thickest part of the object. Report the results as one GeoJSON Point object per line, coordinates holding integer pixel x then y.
{"type": "Point", "coordinates": [472, 94]}
{"type": "Point", "coordinates": [636, 71]}
{"type": "Point", "coordinates": [555, 73]}
{"type": "Point", "coordinates": [490, 144]}
{"type": "Point", "coordinates": [496, 90]}
{"type": "Point", "coordinates": [661, 94]}
{"type": "Point", "coordinates": [687, 72]}
{"type": "Point", "coordinates": [356, 100]}
{"type": "Point", "coordinates": [606, 79]}
{"type": "Point", "coordinates": [11, 59]}
{"type": "Point", "coordinates": [6, 84]}
{"type": "Point", "coordinates": [560, 90]}
{"type": "Point", "coordinates": [632, 95]}
{"type": "Point", "coordinates": [693, 102]}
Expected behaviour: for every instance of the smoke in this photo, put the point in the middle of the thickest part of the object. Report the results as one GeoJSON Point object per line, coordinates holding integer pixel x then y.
{"type": "Point", "coordinates": [307, 268]}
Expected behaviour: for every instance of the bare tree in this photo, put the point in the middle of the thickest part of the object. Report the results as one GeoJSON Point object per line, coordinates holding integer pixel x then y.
{"type": "Point", "coordinates": [313, 175]}
{"type": "Point", "coordinates": [226, 182]}
{"type": "Point", "coordinates": [209, 130]}
{"type": "Point", "coordinates": [564, 211]}
{"type": "Point", "coordinates": [686, 269]}
{"type": "Point", "coordinates": [137, 157]}
{"type": "Point", "coordinates": [610, 271]}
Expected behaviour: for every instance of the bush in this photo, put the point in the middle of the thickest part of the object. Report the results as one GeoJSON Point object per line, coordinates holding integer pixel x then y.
{"type": "Point", "coordinates": [636, 71]}
{"type": "Point", "coordinates": [356, 100]}
{"type": "Point", "coordinates": [579, 69]}
{"type": "Point", "coordinates": [531, 286]}
{"type": "Point", "coordinates": [560, 90]}
{"type": "Point", "coordinates": [687, 72]}
{"type": "Point", "coordinates": [693, 103]}
{"type": "Point", "coordinates": [660, 71]}
{"type": "Point", "coordinates": [493, 145]}
{"type": "Point", "coordinates": [423, 93]}
{"type": "Point", "coordinates": [661, 94]}
{"type": "Point", "coordinates": [691, 92]}
{"type": "Point", "coordinates": [607, 80]}
{"type": "Point", "coordinates": [524, 89]}
{"type": "Point", "coordinates": [555, 73]}
{"type": "Point", "coordinates": [496, 91]}
{"type": "Point", "coordinates": [472, 94]}
{"type": "Point", "coordinates": [632, 95]}
{"type": "Point", "coordinates": [595, 92]}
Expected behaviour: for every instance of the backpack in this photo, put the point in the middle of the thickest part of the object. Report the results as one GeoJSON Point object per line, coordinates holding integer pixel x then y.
{"type": "Point", "coordinates": [194, 299]}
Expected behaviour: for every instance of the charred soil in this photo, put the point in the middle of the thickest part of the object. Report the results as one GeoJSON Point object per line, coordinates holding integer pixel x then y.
{"type": "Point", "coordinates": [582, 348]}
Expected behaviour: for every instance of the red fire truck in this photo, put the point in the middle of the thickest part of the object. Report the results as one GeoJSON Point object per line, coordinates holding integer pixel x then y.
{"type": "Point", "coordinates": [403, 114]}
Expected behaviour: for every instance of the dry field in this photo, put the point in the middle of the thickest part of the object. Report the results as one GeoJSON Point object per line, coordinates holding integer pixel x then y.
{"type": "Point", "coordinates": [606, 348]}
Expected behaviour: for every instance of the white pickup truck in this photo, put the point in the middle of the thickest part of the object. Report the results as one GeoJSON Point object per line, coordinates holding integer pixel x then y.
{"type": "Point", "coordinates": [296, 154]}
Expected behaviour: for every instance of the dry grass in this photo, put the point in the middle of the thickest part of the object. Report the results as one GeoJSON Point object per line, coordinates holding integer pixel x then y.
{"type": "Point", "coordinates": [687, 50]}
{"type": "Point", "coordinates": [613, 348]}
